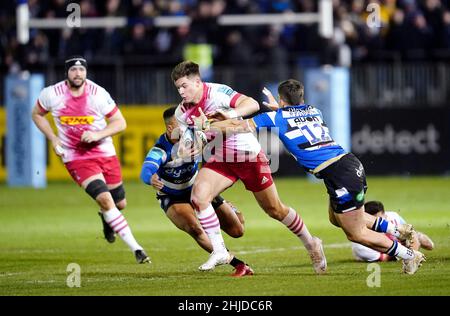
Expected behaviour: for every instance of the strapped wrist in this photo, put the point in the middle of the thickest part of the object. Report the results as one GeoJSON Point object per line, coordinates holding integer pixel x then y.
{"type": "Point", "coordinates": [249, 126]}
{"type": "Point", "coordinates": [232, 113]}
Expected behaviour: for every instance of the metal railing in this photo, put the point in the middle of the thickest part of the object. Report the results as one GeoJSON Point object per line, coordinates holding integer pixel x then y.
{"type": "Point", "coordinates": [381, 85]}
{"type": "Point", "coordinates": [400, 85]}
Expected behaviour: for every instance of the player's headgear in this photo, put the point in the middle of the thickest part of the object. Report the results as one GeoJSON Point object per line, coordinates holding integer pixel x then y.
{"type": "Point", "coordinates": [74, 61]}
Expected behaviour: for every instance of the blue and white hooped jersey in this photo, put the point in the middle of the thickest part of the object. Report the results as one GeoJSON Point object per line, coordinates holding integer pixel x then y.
{"type": "Point", "coordinates": [303, 132]}
{"type": "Point", "coordinates": [177, 175]}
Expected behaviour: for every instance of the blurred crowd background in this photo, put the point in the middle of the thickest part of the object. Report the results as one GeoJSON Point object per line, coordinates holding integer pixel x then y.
{"type": "Point", "coordinates": [410, 30]}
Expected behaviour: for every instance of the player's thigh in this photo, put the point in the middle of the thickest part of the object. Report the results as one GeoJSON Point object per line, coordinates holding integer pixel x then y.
{"type": "Point", "coordinates": [353, 222]}
{"type": "Point", "coordinates": [209, 184]}
{"type": "Point", "coordinates": [332, 216]}
{"type": "Point", "coordinates": [182, 215]}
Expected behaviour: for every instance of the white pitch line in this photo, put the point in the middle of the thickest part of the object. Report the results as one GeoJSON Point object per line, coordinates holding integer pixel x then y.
{"type": "Point", "coordinates": [262, 250]}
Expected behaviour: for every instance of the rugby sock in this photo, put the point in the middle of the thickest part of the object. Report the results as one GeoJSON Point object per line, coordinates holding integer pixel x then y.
{"type": "Point", "coordinates": [294, 222]}
{"type": "Point", "coordinates": [210, 223]}
{"type": "Point", "coordinates": [118, 223]}
{"type": "Point", "coordinates": [398, 250]}
{"type": "Point", "coordinates": [235, 261]}
{"type": "Point", "coordinates": [384, 226]}
{"type": "Point", "coordinates": [380, 225]}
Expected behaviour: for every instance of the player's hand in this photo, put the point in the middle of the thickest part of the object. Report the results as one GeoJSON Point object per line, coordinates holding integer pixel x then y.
{"type": "Point", "coordinates": [156, 182]}
{"type": "Point", "coordinates": [219, 115]}
{"type": "Point", "coordinates": [58, 148]}
{"type": "Point", "coordinates": [201, 122]}
{"type": "Point", "coordinates": [188, 153]}
{"type": "Point", "coordinates": [90, 137]}
{"type": "Point", "coordinates": [273, 104]}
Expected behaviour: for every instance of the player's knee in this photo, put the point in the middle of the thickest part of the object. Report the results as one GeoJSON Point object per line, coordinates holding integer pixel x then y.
{"type": "Point", "coordinates": [118, 195]}
{"type": "Point", "coordinates": [121, 204]}
{"type": "Point", "coordinates": [105, 201]}
{"type": "Point", "coordinates": [199, 203]}
{"type": "Point", "coordinates": [97, 189]}
{"type": "Point", "coordinates": [200, 197]}
{"type": "Point", "coordinates": [236, 231]}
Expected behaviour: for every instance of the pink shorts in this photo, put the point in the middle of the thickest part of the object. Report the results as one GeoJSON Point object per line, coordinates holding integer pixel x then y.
{"type": "Point", "coordinates": [80, 170]}
{"type": "Point", "coordinates": [255, 175]}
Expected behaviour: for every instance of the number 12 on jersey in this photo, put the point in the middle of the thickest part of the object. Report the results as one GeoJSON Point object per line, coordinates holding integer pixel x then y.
{"type": "Point", "coordinates": [313, 131]}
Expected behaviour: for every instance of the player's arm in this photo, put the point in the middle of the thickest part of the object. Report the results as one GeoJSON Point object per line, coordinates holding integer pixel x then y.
{"type": "Point", "coordinates": [155, 157]}
{"type": "Point", "coordinates": [38, 117]}
{"type": "Point", "coordinates": [244, 126]}
{"type": "Point", "coordinates": [233, 126]}
{"type": "Point", "coordinates": [240, 105]}
{"type": "Point", "coordinates": [245, 105]}
{"type": "Point", "coordinates": [116, 124]}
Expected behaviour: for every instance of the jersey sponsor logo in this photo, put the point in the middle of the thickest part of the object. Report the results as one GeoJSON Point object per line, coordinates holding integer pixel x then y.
{"type": "Point", "coordinates": [179, 172]}
{"type": "Point", "coordinates": [76, 120]}
{"type": "Point", "coordinates": [299, 111]}
{"type": "Point", "coordinates": [228, 91]}
{"type": "Point", "coordinates": [359, 171]}
{"type": "Point", "coordinates": [360, 196]}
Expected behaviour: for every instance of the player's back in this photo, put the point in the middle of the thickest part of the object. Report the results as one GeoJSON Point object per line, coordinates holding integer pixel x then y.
{"type": "Point", "coordinates": [305, 135]}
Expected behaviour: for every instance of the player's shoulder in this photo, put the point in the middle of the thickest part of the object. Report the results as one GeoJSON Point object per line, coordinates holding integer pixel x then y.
{"type": "Point", "coordinates": [95, 89]}
{"type": "Point", "coordinates": [219, 88]}
{"type": "Point", "coordinates": [51, 95]}
{"type": "Point", "coordinates": [163, 143]}
{"type": "Point", "coordinates": [162, 147]}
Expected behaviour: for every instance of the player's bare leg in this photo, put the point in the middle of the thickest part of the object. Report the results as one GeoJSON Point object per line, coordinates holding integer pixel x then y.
{"type": "Point", "coordinates": [425, 241]}
{"type": "Point", "coordinates": [231, 222]}
{"type": "Point", "coordinates": [270, 202]}
{"type": "Point", "coordinates": [112, 215]}
{"type": "Point", "coordinates": [332, 217]}
{"type": "Point", "coordinates": [207, 185]}
{"type": "Point", "coordinates": [353, 224]}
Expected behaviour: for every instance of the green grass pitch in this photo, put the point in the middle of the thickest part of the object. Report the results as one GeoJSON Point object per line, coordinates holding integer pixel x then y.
{"type": "Point", "coordinates": [42, 231]}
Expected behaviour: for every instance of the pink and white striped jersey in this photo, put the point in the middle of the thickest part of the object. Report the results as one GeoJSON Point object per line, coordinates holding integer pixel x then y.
{"type": "Point", "coordinates": [240, 147]}
{"type": "Point", "coordinates": [74, 115]}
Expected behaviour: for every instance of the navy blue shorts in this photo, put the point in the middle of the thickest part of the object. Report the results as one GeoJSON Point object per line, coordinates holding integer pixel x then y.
{"type": "Point", "coordinates": [167, 200]}
{"type": "Point", "coordinates": [346, 183]}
